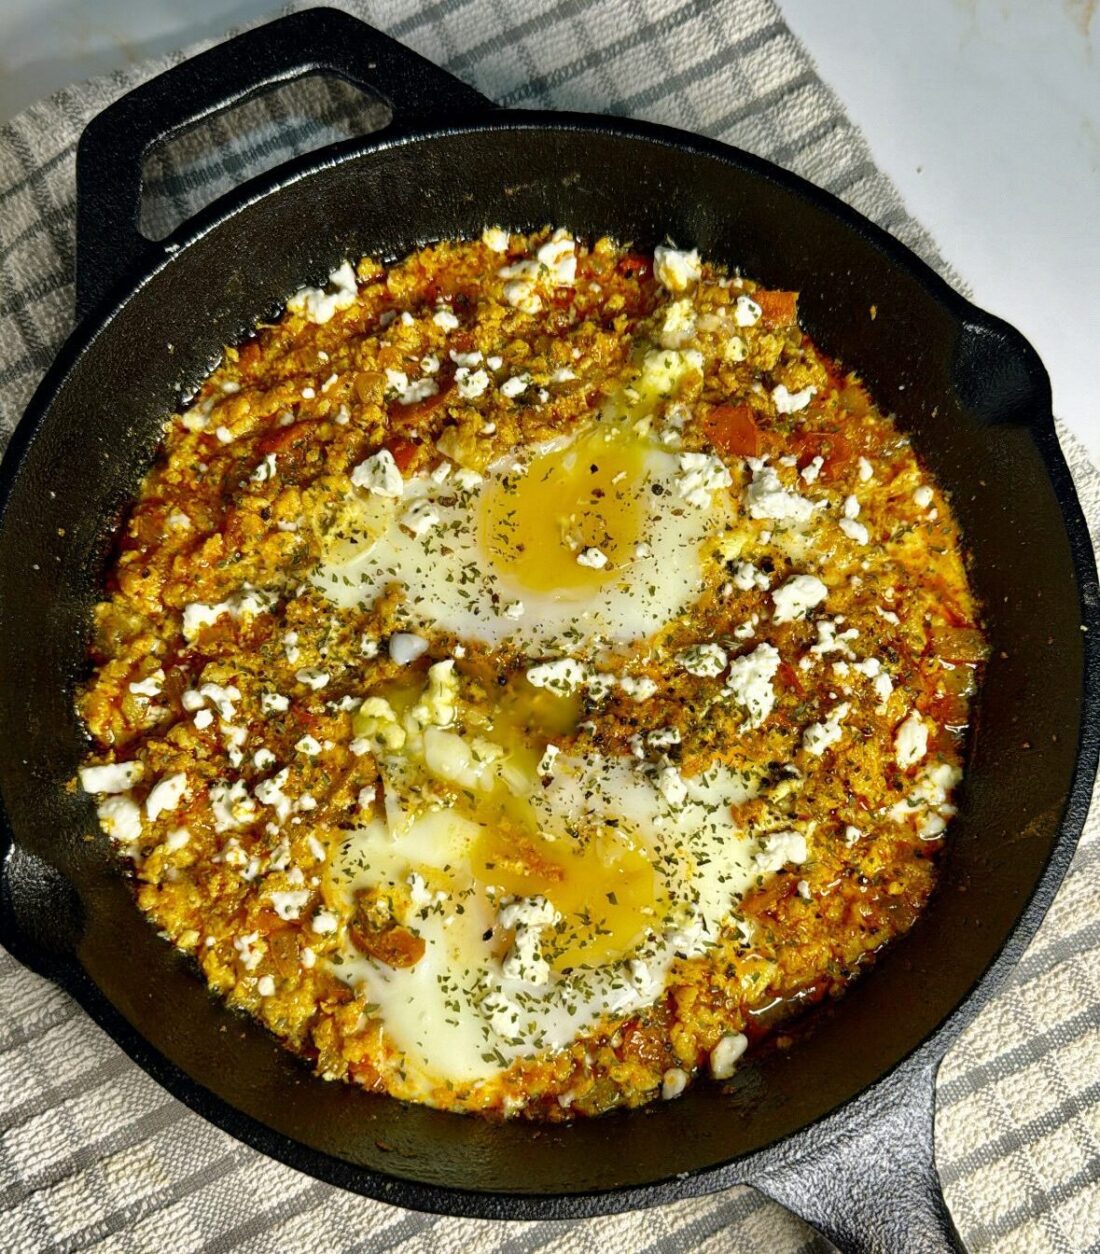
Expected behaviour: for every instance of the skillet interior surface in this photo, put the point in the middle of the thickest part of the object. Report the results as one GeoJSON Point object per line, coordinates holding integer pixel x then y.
{"type": "Point", "coordinates": [972, 394]}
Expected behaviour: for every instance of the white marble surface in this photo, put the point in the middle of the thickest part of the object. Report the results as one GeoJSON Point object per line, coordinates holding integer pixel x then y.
{"type": "Point", "coordinates": [985, 112]}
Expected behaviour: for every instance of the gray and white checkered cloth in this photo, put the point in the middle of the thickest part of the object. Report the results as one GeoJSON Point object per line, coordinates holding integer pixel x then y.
{"type": "Point", "coordinates": [92, 1151]}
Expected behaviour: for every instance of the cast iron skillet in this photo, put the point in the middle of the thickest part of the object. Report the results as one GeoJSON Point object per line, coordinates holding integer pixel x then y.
{"type": "Point", "coordinates": [840, 1127]}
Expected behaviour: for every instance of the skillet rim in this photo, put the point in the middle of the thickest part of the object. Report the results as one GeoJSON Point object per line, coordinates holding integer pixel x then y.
{"type": "Point", "coordinates": [65, 970]}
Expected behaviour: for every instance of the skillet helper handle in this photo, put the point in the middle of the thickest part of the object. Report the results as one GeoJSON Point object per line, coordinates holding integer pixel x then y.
{"type": "Point", "coordinates": [112, 150]}
{"type": "Point", "coordinates": [867, 1179]}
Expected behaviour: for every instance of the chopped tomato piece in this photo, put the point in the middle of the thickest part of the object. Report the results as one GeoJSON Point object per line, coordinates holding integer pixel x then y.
{"type": "Point", "coordinates": [283, 438]}
{"type": "Point", "coordinates": [402, 452]}
{"type": "Point", "coordinates": [779, 308]}
{"type": "Point", "coordinates": [831, 446]}
{"type": "Point", "coordinates": [249, 357]}
{"type": "Point", "coordinates": [958, 644]}
{"type": "Point", "coordinates": [732, 429]}
{"type": "Point", "coordinates": [636, 264]}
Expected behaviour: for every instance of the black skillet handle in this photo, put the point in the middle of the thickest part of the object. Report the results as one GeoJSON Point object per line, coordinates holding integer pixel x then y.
{"type": "Point", "coordinates": [866, 1178]}
{"type": "Point", "coordinates": [114, 145]}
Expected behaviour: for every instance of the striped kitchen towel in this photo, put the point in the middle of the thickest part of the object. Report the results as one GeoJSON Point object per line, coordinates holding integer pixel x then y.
{"type": "Point", "coordinates": [92, 1152]}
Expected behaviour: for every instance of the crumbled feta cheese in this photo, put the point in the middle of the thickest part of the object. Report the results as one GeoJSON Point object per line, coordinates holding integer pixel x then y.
{"type": "Point", "coordinates": [318, 305]}
{"type": "Point", "coordinates": [511, 388]}
{"type": "Point", "coordinates": [724, 1056]}
{"type": "Point", "coordinates": [910, 740]}
{"type": "Point", "coordinates": [440, 700]}
{"type": "Point", "coordinates": [406, 392]}
{"type": "Point", "coordinates": [265, 469]}
{"type": "Point", "coordinates": [223, 698]}
{"type": "Point", "coordinates": [405, 647]}
{"type": "Point", "coordinates": [922, 497]}
{"type": "Point", "coordinates": [251, 949]}
{"type": "Point", "coordinates": [700, 475]}
{"type": "Point", "coordinates": [830, 640]}
{"type": "Point", "coordinates": [766, 496]}
{"type": "Point", "coordinates": [445, 319]}
{"type": "Point", "coordinates": [791, 402]}
{"type": "Point", "coordinates": [263, 759]}
{"type": "Point", "coordinates": [675, 269]}
{"type": "Point", "coordinates": [120, 818]}
{"type": "Point", "coordinates": [325, 923]}
{"type": "Point", "coordinates": [265, 986]}
{"type": "Point", "coordinates": [166, 794]}
{"type": "Point", "coordinates": [750, 682]}
{"type": "Point", "coordinates": [421, 517]}
{"type": "Point", "coordinates": [269, 792]}
{"type": "Point", "coordinates": [367, 797]}
{"type": "Point", "coordinates": [177, 839]}
{"type": "Point", "coordinates": [866, 471]}
{"type": "Point", "coordinates": [673, 1083]}
{"type": "Point", "coordinates": [795, 598]}
{"type": "Point", "coordinates": [663, 738]}
{"type": "Point", "coordinates": [197, 418]}
{"type": "Point", "coordinates": [379, 474]}
{"type": "Point", "coordinates": [312, 677]}
{"type": "Point", "coordinates": [231, 805]}
{"type": "Point", "coordinates": [746, 577]}
{"type": "Point", "coordinates": [521, 295]}
{"type": "Point", "coordinates": [734, 350]}
{"type": "Point", "coordinates": [679, 324]}
{"type": "Point", "coordinates": [203, 719]}
{"type": "Point", "coordinates": [377, 725]}
{"type": "Point", "coordinates": [851, 834]}
{"type": "Point", "coordinates": [593, 558]}
{"type": "Point", "coordinates": [855, 531]}
{"type": "Point", "coordinates": [559, 259]}
{"type": "Point", "coordinates": [811, 471]}
{"type": "Point", "coordinates": [527, 917]}
{"type": "Point", "coordinates": [703, 660]}
{"type": "Point", "coordinates": [779, 848]}
{"type": "Point", "coordinates": [495, 239]}
{"type": "Point", "coordinates": [546, 762]}
{"type": "Point", "coordinates": [290, 903]}
{"type": "Point", "coordinates": [638, 688]}
{"type": "Point", "coordinates": [112, 777]}
{"type": "Point", "coordinates": [308, 745]}
{"type": "Point", "coordinates": [274, 703]}
{"type": "Point", "coordinates": [196, 616]}
{"type": "Point", "coordinates": [746, 312]}
{"type": "Point", "coordinates": [150, 686]}
{"type": "Point", "coordinates": [563, 675]}
{"type": "Point", "coordinates": [671, 785]}
{"type": "Point", "coordinates": [470, 385]}
{"type": "Point", "coordinates": [820, 736]}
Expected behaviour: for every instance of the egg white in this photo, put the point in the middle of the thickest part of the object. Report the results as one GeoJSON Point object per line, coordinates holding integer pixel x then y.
{"type": "Point", "coordinates": [451, 583]}
{"type": "Point", "coordinates": [455, 1016]}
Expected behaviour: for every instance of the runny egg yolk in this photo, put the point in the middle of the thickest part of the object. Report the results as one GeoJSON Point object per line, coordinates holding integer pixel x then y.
{"type": "Point", "coordinates": [600, 880]}
{"type": "Point", "coordinates": [603, 886]}
{"type": "Point", "coordinates": [570, 502]}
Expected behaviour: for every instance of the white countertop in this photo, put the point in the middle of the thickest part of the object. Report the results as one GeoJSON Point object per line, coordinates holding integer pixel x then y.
{"type": "Point", "coordinates": [986, 113]}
